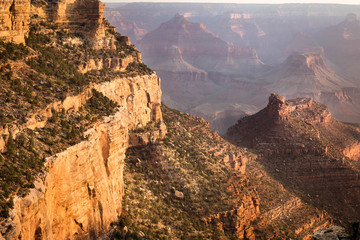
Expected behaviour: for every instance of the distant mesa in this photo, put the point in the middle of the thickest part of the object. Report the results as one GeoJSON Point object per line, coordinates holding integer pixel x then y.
{"type": "Point", "coordinates": [198, 46]}
{"type": "Point", "coordinates": [307, 150]}
{"type": "Point", "coordinates": [278, 113]}
{"type": "Point", "coordinates": [305, 72]}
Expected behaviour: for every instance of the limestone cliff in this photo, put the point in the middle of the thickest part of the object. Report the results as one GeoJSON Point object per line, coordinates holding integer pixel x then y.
{"type": "Point", "coordinates": [84, 17]}
{"type": "Point", "coordinates": [79, 191]}
{"type": "Point", "coordinates": [14, 20]}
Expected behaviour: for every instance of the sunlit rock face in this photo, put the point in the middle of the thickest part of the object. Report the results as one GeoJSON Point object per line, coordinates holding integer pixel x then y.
{"type": "Point", "coordinates": [14, 20]}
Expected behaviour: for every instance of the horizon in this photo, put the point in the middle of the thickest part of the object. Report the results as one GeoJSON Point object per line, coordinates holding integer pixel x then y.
{"type": "Point", "coordinates": [345, 2]}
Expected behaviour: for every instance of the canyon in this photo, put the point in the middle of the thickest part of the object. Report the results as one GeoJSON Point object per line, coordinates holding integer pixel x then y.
{"type": "Point", "coordinates": [79, 192]}
{"type": "Point", "coordinates": [88, 150]}
{"type": "Point", "coordinates": [264, 39]}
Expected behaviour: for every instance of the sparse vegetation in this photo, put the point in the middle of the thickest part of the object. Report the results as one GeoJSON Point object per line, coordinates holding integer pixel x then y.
{"type": "Point", "coordinates": [24, 156]}
{"type": "Point", "coordinates": [173, 185]}
{"type": "Point", "coordinates": [33, 75]}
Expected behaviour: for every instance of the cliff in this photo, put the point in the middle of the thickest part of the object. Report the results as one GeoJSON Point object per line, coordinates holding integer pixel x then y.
{"type": "Point", "coordinates": [81, 92]}
{"type": "Point", "coordinates": [80, 193]}
{"type": "Point", "coordinates": [14, 20]}
{"type": "Point", "coordinates": [307, 150]}
{"type": "Point", "coordinates": [76, 16]}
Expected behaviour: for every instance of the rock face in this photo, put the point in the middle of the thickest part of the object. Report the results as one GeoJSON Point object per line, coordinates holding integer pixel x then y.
{"type": "Point", "coordinates": [330, 233]}
{"type": "Point", "coordinates": [304, 73]}
{"type": "Point", "coordinates": [80, 191]}
{"type": "Point", "coordinates": [14, 20]}
{"type": "Point", "coordinates": [247, 212]}
{"type": "Point", "coordinates": [307, 150]}
{"type": "Point", "coordinates": [82, 188]}
{"type": "Point", "coordinates": [84, 17]}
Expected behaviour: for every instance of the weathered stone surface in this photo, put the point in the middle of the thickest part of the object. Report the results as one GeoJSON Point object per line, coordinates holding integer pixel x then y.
{"type": "Point", "coordinates": [237, 220]}
{"type": "Point", "coordinates": [14, 20]}
{"type": "Point", "coordinates": [353, 151]}
{"type": "Point", "coordinates": [145, 138]}
{"type": "Point", "coordinates": [330, 233]}
{"type": "Point", "coordinates": [82, 188]}
{"type": "Point", "coordinates": [81, 191]}
{"type": "Point", "coordinates": [84, 17]}
{"type": "Point", "coordinates": [2, 144]}
{"type": "Point", "coordinates": [136, 93]}
{"type": "Point", "coordinates": [115, 64]}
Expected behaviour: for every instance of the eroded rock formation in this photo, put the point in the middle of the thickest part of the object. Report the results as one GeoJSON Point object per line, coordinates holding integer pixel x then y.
{"type": "Point", "coordinates": [80, 191]}
{"type": "Point", "coordinates": [14, 20]}
{"type": "Point", "coordinates": [307, 150]}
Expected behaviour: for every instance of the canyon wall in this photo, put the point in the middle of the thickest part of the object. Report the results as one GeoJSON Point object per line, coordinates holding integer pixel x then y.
{"type": "Point", "coordinates": [80, 193]}
{"type": "Point", "coordinates": [14, 20]}
{"type": "Point", "coordinates": [85, 17]}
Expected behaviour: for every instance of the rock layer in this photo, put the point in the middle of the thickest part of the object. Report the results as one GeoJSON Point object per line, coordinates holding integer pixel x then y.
{"type": "Point", "coordinates": [307, 150]}
{"type": "Point", "coordinates": [14, 20]}
{"type": "Point", "coordinates": [80, 193]}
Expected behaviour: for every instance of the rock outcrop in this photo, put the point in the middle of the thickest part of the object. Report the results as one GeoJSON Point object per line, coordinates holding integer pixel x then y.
{"type": "Point", "coordinates": [238, 220]}
{"type": "Point", "coordinates": [14, 20]}
{"type": "Point", "coordinates": [307, 150]}
{"type": "Point", "coordinates": [80, 191]}
{"type": "Point", "coordinates": [85, 17]}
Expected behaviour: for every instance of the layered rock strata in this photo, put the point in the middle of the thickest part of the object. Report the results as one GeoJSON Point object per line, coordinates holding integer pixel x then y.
{"type": "Point", "coordinates": [80, 193]}
{"type": "Point", "coordinates": [14, 20]}
{"type": "Point", "coordinates": [307, 150]}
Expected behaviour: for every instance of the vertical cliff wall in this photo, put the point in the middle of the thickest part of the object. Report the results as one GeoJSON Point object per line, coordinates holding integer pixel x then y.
{"type": "Point", "coordinates": [14, 20]}
{"type": "Point", "coordinates": [84, 17]}
{"type": "Point", "coordinates": [81, 191]}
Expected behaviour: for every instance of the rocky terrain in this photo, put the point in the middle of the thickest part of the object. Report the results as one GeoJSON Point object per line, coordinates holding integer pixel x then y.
{"type": "Point", "coordinates": [70, 94]}
{"type": "Point", "coordinates": [194, 184]}
{"type": "Point", "coordinates": [87, 151]}
{"type": "Point", "coordinates": [14, 17]}
{"type": "Point", "coordinates": [308, 151]}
